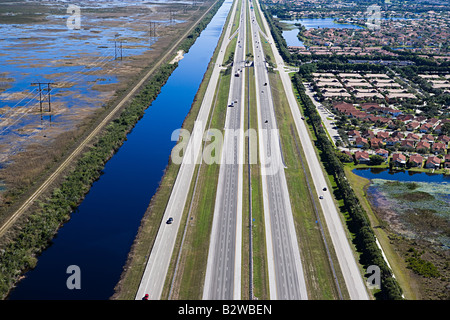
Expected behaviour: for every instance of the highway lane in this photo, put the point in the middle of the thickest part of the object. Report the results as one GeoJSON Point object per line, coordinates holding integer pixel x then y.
{"type": "Point", "coordinates": [155, 272]}
{"type": "Point", "coordinates": [286, 279]}
{"type": "Point", "coordinates": [223, 273]}
{"type": "Point", "coordinates": [347, 261]}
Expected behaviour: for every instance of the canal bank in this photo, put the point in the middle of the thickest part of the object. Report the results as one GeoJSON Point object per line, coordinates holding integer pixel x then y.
{"type": "Point", "coordinates": [99, 234]}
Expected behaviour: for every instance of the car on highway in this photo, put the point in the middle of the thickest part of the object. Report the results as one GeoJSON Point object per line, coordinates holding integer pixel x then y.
{"type": "Point", "coordinates": [321, 197]}
{"type": "Point", "coordinates": [170, 220]}
{"type": "Point", "coordinates": [324, 189]}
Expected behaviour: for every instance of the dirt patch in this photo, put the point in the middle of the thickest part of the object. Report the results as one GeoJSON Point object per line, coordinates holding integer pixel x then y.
{"type": "Point", "coordinates": [178, 57]}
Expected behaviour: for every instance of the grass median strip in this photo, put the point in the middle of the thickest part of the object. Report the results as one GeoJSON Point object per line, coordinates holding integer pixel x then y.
{"type": "Point", "coordinates": [260, 272]}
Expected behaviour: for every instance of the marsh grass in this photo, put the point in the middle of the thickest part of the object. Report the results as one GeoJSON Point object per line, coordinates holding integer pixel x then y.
{"type": "Point", "coordinates": [422, 208]}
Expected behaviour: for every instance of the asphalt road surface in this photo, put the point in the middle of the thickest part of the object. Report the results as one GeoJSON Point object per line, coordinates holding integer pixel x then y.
{"type": "Point", "coordinates": [347, 261]}
{"type": "Point", "coordinates": [286, 279]}
{"type": "Point", "coordinates": [223, 273]}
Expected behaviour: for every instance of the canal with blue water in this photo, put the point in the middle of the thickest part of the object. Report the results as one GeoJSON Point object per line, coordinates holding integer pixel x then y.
{"type": "Point", "coordinates": [100, 233]}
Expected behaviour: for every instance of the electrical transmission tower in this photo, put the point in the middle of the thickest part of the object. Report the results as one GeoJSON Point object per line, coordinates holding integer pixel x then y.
{"type": "Point", "coordinates": [117, 48]}
{"type": "Point", "coordinates": [152, 31]}
{"type": "Point", "coordinates": [44, 96]}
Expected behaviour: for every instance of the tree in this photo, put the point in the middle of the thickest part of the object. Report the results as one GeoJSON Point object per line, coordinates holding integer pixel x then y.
{"type": "Point", "coordinates": [446, 128]}
{"type": "Point", "coordinates": [376, 160]}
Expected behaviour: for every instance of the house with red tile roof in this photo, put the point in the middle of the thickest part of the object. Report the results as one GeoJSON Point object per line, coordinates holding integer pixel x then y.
{"type": "Point", "coordinates": [398, 134]}
{"type": "Point", "coordinates": [405, 118]}
{"type": "Point", "coordinates": [376, 143]}
{"type": "Point", "coordinates": [438, 129]}
{"type": "Point", "coordinates": [383, 135]}
{"type": "Point", "coordinates": [368, 134]}
{"type": "Point", "coordinates": [383, 120]}
{"type": "Point", "coordinates": [362, 157]}
{"type": "Point", "coordinates": [349, 155]}
{"type": "Point", "coordinates": [353, 134]}
{"type": "Point", "coordinates": [443, 138]}
{"type": "Point", "coordinates": [447, 161]}
{"type": "Point", "coordinates": [407, 144]}
{"type": "Point", "coordinates": [413, 125]}
{"type": "Point", "coordinates": [361, 142]}
{"type": "Point", "coordinates": [392, 141]}
{"type": "Point", "coordinates": [421, 118]}
{"type": "Point", "coordinates": [399, 159]}
{"type": "Point", "coordinates": [423, 147]}
{"type": "Point", "coordinates": [382, 152]}
{"type": "Point", "coordinates": [370, 107]}
{"type": "Point", "coordinates": [428, 138]}
{"type": "Point", "coordinates": [433, 162]}
{"type": "Point", "coordinates": [439, 147]}
{"type": "Point", "coordinates": [413, 137]}
{"type": "Point", "coordinates": [416, 160]}
{"type": "Point", "coordinates": [343, 107]}
{"type": "Point", "coordinates": [426, 127]}
{"type": "Point", "coordinates": [432, 121]}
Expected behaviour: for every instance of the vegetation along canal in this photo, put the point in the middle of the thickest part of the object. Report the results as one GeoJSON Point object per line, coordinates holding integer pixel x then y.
{"type": "Point", "coordinates": [101, 231]}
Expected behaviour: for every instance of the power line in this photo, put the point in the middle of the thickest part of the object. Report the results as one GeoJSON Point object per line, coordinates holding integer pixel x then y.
{"type": "Point", "coordinates": [117, 49]}
{"type": "Point", "coordinates": [43, 97]}
{"type": "Point", "coordinates": [11, 110]}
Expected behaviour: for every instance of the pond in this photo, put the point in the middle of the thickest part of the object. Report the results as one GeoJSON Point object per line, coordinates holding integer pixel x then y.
{"type": "Point", "coordinates": [404, 176]}
{"type": "Point", "coordinates": [291, 35]}
{"type": "Point", "coordinates": [414, 204]}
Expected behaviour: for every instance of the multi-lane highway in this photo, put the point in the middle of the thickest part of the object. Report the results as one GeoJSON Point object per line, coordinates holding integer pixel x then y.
{"type": "Point", "coordinates": [286, 280]}
{"type": "Point", "coordinates": [347, 261]}
{"type": "Point", "coordinates": [223, 274]}
{"type": "Point", "coordinates": [223, 271]}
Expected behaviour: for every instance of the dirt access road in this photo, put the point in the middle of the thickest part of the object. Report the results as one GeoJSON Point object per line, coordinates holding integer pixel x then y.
{"type": "Point", "coordinates": [85, 142]}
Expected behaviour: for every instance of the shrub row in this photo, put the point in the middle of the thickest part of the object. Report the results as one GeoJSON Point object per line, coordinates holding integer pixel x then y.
{"type": "Point", "coordinates": [358, 222]}
{"type": "Point", "coordinates": [277, 35]}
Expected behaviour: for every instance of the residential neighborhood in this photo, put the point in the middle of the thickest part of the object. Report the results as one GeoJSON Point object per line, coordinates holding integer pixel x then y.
{"type": "Point", "coordinates": [375, 91]}
{"type": "Point", "coordinates": [420, 143]}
